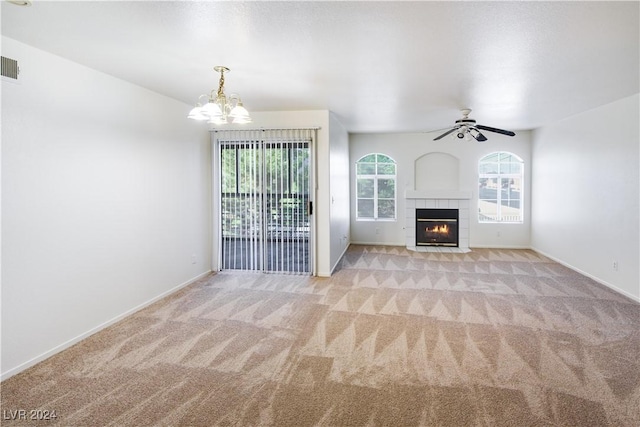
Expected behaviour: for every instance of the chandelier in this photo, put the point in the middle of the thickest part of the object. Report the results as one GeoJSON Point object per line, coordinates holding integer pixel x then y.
{"type": "Point", "coordinates": [220, 109]}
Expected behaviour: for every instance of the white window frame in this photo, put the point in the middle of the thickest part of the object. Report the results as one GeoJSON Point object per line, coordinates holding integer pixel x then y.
{"type": "Point", "coordinates": [375, 177]}
{"type": "Point", "coordinates": [499, 176]}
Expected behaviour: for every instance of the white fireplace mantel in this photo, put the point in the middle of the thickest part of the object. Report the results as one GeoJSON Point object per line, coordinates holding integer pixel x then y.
{"type": "Point", "coordinates": [438, 194]}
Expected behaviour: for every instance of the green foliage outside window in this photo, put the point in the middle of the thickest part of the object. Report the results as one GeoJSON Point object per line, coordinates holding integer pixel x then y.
{"type": "Point", "coordinates": [256, 178]}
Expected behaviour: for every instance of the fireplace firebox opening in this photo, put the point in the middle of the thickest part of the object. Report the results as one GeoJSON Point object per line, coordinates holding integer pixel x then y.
{"type": "Point", "coordinates": [437, 227]}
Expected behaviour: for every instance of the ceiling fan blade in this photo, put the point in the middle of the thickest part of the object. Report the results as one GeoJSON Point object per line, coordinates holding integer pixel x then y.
{"type": "Point", "coordinates": [479, 137]}
{"type": "Point", "coordinates": [490, 129]}
{"type": "Point", "coordinates": [445, 134]}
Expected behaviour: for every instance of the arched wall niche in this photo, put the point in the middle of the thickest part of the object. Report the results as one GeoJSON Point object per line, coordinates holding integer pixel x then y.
{"type": "Point", "coordinates": [437, 171]}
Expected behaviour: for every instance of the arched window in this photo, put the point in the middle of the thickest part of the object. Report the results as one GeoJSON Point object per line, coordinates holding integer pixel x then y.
{"type": "Point", "coordinates": [376, 187]}
{"type": "Point", "coordinates": [500, 187]}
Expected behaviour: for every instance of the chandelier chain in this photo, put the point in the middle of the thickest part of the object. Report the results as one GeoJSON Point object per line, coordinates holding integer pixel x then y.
{"type": "Point", "coordinates": [221, 85]}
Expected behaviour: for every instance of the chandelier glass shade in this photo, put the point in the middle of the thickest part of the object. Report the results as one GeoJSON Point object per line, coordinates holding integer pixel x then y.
{"type": "Point", "coordinates": [219, 108]}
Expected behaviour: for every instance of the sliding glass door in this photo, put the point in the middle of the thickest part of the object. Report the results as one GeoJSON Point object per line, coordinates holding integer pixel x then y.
{"type": "Point", "coordinates": [265, 200]}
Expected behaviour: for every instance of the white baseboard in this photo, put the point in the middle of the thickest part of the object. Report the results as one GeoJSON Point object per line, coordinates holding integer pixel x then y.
{"type": "Point", "coordinates": [499, 247]}
{"type": "Point", "coordinates": [590, 276]}
{"type": "Point", "coordinates": [470, 246]}
{"type": "Point", "coordinates": [67, 344]}
{"type": "Point", "coordinates": [404, 244]}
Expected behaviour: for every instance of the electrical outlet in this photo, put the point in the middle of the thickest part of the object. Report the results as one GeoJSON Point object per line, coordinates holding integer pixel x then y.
{"type": "Point", "coordinates": [377, 231]}
{"type": "Point", "coordinates": [497, 234]}
{"type": "Point", "coordinates": [193, 258]}
{"type": "Point", "coordinates": [615, 265]}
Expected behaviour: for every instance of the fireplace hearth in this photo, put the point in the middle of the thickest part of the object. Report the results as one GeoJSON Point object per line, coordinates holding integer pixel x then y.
{"type": "Point", "coordinates": [437, 227]}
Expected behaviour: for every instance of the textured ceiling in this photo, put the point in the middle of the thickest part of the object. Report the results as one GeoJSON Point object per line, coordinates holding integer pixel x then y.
{"type": "Point", "coordinates": [380, 66]}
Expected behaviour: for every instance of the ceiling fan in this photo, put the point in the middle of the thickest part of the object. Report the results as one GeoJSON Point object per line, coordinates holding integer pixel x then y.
{"type": "Point", "coordinates": [467, 128]}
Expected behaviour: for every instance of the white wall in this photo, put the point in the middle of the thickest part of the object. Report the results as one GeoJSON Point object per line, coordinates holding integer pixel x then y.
{"type": "Point", "coordinates": [405, 149]}
{"type": "Point", "coordinates": [339, 190]}
{"type": "Point", "coordinates": [331, 205]}
{"type": "Point", "coordinates": [586, 193]}
{"type": "Point", "coordinates": [105, 199]}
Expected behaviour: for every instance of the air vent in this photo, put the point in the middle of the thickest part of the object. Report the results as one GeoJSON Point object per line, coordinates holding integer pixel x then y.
{"type": "Point", "coordinates": [10, 68]}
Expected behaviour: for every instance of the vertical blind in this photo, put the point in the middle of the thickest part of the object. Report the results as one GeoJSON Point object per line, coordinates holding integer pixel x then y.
{"type": "Point", "coordinates": [265, 199]}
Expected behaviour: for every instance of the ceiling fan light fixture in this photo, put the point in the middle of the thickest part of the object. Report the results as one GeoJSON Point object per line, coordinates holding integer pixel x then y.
{"type": "Point", "coordinates": [466, 128]}
{"type": "Point", "coordinates": [462, 132]}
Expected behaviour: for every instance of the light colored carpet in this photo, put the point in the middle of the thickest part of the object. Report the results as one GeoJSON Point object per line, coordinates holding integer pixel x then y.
{"type": "Point", "coordinates": [394, 337]}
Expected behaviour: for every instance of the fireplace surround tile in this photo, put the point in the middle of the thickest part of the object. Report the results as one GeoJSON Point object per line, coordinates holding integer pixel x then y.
{"type": "Point", "coordinates": [439, 200]}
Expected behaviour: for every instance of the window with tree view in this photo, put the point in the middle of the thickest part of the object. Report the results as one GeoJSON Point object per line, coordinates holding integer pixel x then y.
{"type": "Point", "coordinates": [376, 187]}
{"type": "Point", "coordinates": [500, 187]}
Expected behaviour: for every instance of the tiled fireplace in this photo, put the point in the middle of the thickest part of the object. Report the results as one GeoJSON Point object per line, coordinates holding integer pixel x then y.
{"type": "Point", "coordinates": [449, 200]}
